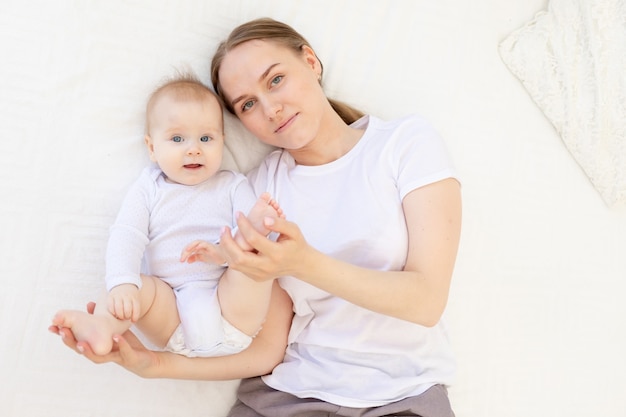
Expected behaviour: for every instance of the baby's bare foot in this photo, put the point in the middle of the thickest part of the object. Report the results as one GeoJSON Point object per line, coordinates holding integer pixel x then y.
{"type": "Point", "coordinates": [264, 207]}
{"type": "Point", "coordinates": [94, 329]}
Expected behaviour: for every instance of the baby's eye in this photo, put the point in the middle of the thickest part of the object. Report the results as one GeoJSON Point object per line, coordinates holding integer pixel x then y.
{"type": "Point", "coordinates": [205, 139]}
{"type": "Point", "coordinates": [177, 139]}
{"type": "Point", "coordinates": [277, 79]}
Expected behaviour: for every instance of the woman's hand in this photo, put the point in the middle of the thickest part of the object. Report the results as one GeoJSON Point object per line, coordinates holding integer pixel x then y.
{"type": "Point", "coordinates": [268, 259]}
{"type": "Point", "coordinates": [127, 352]}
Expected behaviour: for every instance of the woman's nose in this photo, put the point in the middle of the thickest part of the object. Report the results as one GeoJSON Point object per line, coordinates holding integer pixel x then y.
{"type": "Point", "coordinates": [272, 109]}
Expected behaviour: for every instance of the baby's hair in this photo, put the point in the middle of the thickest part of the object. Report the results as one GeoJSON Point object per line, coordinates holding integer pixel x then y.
{"type": "Point", "coordinates": [269, 29]}
{"type": "Point", "coordinates": [184, 85]}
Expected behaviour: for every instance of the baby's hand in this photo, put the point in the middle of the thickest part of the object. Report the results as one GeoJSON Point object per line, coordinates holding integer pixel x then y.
{"type": "Point", "coordinates": [123, 302]}
{"type": "Point", "coordinates": [200, 250]}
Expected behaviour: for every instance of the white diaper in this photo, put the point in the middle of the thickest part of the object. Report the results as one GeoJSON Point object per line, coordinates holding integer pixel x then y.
{"type": "Point", "coordinates": [234, 341]}
{"type": "Point", "coordinates": [202, 330]}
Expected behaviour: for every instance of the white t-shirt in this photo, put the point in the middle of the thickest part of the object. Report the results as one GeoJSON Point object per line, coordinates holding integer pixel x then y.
{"type": "Point", "coordinates": [351, 210]}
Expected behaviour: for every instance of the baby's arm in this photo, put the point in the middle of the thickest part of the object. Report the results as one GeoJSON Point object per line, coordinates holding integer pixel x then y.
{"type": "Point", "coordinates": [127, 243]}
{"type": "Point", "coordinates": [123, 261]}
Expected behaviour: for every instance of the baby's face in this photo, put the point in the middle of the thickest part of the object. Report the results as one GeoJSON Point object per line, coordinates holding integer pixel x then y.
{"type": "Point", "coordinates": [186, 138]}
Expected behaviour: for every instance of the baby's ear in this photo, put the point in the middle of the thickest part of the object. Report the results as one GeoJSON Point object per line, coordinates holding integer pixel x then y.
{"type": "Point", "coordinates": [148, 141]}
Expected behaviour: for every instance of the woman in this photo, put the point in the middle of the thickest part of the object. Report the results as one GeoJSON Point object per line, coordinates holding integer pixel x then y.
{"type": "Point", "coordinates": [366, 257]}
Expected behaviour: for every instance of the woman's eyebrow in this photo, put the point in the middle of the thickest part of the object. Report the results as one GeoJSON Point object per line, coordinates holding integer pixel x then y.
{"type": "Point", "coordinates": [261, 78]}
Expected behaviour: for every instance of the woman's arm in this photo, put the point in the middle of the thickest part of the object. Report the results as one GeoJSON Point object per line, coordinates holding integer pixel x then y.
{"type": "Point", "coordinates": [418, 294]}
{"type": "Point", "coordinates": [266, 351]}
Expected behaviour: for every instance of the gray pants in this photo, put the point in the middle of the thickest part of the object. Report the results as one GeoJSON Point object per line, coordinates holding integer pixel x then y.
{"type": "Point", "coordinates": [254, 399]}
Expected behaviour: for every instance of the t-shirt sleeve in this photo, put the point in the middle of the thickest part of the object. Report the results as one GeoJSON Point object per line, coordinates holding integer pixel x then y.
{"type": "Point", "coordinates": [262, 177]}
{"type": "Point", "coordinates": [421, 154]}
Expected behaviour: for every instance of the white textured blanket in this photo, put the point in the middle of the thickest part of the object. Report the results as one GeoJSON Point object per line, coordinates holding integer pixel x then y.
{"type": "Point", "coordinates": [536, 310]}
{"type": "Point", "coordinates": [572, 60]}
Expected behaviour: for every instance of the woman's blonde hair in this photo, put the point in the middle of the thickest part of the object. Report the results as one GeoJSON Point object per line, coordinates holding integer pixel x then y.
{"type": "Point", "coordinates": [269, 29]}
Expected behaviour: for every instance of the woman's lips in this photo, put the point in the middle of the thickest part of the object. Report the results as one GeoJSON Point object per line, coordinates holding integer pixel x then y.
{"type": "Point", "coordinates": [286, 124]}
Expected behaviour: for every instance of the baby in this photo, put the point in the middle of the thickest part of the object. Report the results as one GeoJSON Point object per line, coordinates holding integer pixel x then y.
{"type": "Point", "coordinates": [184, 197]}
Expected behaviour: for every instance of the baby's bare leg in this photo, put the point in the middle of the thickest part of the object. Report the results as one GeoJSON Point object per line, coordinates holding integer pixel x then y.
{"type": "Point", "coordinates": [158, 316]}
{"type": "Point", "coordinates": [244, 302]}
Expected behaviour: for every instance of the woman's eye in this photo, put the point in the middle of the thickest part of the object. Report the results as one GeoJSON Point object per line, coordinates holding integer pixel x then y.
{"type": "Point", "coordinates": [277, 79]}
{"type": "Point", "coordinates": [247, 105]}
{"type": "Point", "coordinates": [205, 139]}
{"type": "Point", "coordinates": [177, 139]}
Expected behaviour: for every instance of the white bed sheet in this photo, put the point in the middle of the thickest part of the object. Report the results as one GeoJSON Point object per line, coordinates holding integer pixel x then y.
{"type": "Point", "coordinates": [536, 310]}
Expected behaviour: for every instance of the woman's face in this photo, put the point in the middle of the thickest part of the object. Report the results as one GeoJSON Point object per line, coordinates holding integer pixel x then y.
{"type": "Point", "coordinates": [275, 92]}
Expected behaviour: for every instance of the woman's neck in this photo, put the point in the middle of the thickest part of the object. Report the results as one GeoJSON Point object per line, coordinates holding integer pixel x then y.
{"type": "Point", "coordinates": [331, 144]}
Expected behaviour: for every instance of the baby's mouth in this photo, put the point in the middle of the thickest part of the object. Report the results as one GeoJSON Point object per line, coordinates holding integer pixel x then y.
{"type": "Point", "coordinates": [193, 166]}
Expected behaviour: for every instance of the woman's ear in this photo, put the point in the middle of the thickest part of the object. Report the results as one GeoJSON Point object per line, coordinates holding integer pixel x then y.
{"type": "Point", "coordinates": [312, 60]}
{"type": "Point", "coordinates": [148, 141]}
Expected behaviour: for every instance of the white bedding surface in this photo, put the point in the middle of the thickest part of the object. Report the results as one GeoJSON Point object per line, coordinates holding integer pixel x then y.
{"type": "Point", "coordinates": [536, 309]}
